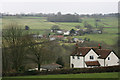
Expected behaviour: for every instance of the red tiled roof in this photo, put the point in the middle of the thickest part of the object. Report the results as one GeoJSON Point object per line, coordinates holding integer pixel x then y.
{"type": "Point", "coordinates": [57, 36]}
{"type": "Point", "coordinates": [92, 63]}
{"type": "Point", "coordinates": [82, 51]}
{"type": "Point", "coordinates": [103, 53]}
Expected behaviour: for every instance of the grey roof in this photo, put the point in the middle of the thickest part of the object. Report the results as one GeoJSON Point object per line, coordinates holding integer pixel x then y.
{"type": "Point", "coordinates": [51, 66]}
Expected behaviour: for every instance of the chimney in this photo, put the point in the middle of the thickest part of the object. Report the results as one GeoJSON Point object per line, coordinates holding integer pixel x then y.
{"type": "Point", "coordinates": [99, 46]}
{"type": "Point", "coordinates": [76, 45]}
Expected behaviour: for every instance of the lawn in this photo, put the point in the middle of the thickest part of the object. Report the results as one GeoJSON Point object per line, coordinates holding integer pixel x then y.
{"type": "Point", "coordinates": [82, 75]}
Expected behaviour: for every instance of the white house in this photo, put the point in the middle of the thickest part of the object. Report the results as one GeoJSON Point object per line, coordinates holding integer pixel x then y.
{"type": "Point", "coordinates": [66, 33]}
{"type": "Point", "coordinates": [78, 40]}
{"type": "Point", "coordinates": [59, 32]}
{"type": "Point", "coordinates": [86, 57]}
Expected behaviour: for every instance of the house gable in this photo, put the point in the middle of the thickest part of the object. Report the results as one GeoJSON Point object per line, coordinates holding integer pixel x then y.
{"type": "Point", "coordinates": [115, 54]}
{"type": "Point", "coordinates": [91, 56]}
{"type": "Point", "coordinates": [111, 59]}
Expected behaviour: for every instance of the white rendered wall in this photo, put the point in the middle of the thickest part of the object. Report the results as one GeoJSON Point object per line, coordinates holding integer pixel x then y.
{"type": "Point", "coordinates": [101, 61]}
{"type": "Point", "coordinates": [113, 60]}
{"type": "Point", "coordinates": [78, 63]}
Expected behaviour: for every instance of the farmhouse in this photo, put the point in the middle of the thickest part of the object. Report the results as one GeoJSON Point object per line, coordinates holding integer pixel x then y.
{"type": "Point", "coordinates": [66, 33]}
{"type": "Point", "coordinates": [89, 57]}
{"type": "Point", "coordinates": [78, 40]}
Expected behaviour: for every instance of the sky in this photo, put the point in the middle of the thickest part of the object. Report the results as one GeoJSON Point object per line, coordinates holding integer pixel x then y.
{"type": "Point", "coordinates": [64, 6]}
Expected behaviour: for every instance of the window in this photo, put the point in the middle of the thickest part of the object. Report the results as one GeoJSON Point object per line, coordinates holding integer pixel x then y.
{"type": "Point", "coordinates": [73, 57]}
{"type": "Point", "coordinates": [108, 58]}
{"type": "Point", "coordinates": [91, 57]}
{"type": "Point", "coordinates": [78, 57]}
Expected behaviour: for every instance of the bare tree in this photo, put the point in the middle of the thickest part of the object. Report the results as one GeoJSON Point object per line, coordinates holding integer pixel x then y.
{"type": "Point", "coordinates": [15, 44]}
{"type": "Point", "coordinates": [41, 53]}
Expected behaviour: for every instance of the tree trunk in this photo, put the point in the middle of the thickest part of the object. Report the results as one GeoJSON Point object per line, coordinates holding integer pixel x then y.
{"type": "Point", "coordinates": [38, 66]}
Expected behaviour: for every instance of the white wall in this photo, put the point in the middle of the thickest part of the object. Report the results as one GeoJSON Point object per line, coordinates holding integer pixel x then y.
{"type": "Point", "coordinates": [101, 61]}
{"type": "Point", "coordinates": [113, 60]}
{"type": "Point", "coordinates": [78, 63]}
{"type": "Point", "coordinates": [91, 53]}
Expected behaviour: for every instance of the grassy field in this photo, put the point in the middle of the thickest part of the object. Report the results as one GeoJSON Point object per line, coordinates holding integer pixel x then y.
{"type": "Point", "coordinates": [109, 39]}
{"type": "Point", "coordinates": [40, 24]}
{"type": "Point", "coordinates": [82, 75]}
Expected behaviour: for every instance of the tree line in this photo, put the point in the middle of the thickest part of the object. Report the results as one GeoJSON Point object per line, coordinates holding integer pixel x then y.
{"type": "Point", "coordinates": [53, 14]}
{"type": "Point", "coordinates": [64, 18]}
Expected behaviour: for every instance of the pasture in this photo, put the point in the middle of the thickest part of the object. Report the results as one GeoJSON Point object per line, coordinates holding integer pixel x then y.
{"type": "Point", "coordinates": [39, 25]}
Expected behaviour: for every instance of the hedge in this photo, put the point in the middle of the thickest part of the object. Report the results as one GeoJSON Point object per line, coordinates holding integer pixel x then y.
{"type": "Point", "coordinates": [67, 71]}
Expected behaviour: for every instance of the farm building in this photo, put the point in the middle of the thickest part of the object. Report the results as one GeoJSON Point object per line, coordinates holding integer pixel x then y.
{"type": "Point", "coordinates": [89, 57]}
{"type": "Point", "coordinates": [47, 67]}
{"type": "Point", "coordinates": [66, 33]}
{"type": "Point", "coordinates": [59, 32]}
{"type": "Point", "coordinates": [78, 40]}
{"type": "Point", "coordinates": [52, 66]}
{"type": "Point", "coordinates": [56, 37]}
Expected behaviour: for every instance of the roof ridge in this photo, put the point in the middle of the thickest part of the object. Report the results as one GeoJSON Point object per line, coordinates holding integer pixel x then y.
{"type": "Point", "coordinates": [87, 47]}
{"type": "Point", "coordinates": [105, 49]}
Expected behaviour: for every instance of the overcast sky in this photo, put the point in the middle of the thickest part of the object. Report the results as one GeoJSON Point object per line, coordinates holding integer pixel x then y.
{"type": "Point", "coordinates": [64, 6]}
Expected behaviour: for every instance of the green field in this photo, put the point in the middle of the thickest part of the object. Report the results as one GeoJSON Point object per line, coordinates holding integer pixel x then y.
{"type": "Point", "coordinates": [40, 25]}
{"type": "Point", "coordinates": [82, 75]}
{"type": "Point", "coordinates": [41, 22]}
{"type": "Point", "coordinates": [109, 39]}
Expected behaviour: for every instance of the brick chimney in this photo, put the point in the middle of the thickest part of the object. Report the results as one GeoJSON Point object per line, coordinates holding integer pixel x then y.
{"type": "Point", "coordinates": [99, 46]}
{"type": "Point", "coordinates": [76, 45]}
